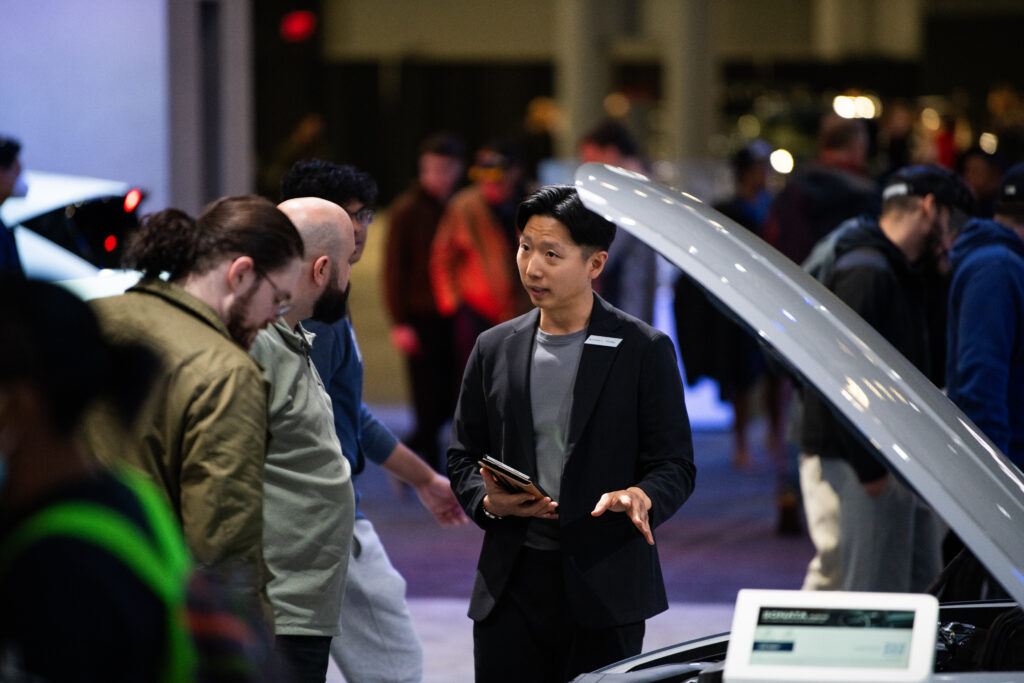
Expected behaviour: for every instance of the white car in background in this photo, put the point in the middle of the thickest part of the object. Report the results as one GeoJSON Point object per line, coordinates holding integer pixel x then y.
{"type": "Point", "coordinates": [72, 230]}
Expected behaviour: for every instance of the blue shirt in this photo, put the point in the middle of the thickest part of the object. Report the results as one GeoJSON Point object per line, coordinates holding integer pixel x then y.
{"type": "Point", "coordinates": [336, 356]}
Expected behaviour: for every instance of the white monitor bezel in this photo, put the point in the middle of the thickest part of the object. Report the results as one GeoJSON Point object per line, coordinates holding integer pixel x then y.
{"type": "Point", "coordinates": [744, 621]}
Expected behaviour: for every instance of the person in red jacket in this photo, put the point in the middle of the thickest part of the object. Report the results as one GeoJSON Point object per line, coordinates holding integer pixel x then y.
{"type": "Point", "coordinates": [419, 331]}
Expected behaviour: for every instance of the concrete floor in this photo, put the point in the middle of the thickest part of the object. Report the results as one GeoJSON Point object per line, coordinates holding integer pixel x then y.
{"type": "Point", "coordinates": [723, 539]}
{"type": "Point", "coordinates": [447, 634]}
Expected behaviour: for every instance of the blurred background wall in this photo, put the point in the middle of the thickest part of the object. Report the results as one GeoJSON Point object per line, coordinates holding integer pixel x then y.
{"type": "Point", "coordinates": [157, 93]}
{"type": "Point", "coordinates": [692, 78]}
{"type": "Point", "coordinates": [194, 99]}
{"type": "Point", "coordinates": [87, 94]}
{"type": "Point", "coordinates": [198, 98]}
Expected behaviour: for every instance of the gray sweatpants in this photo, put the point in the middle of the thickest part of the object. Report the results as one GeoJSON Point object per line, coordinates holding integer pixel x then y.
{"type": "Point", "coordinates": [378, 642]}
{"type": "Point", "coordinates": [890, 543]}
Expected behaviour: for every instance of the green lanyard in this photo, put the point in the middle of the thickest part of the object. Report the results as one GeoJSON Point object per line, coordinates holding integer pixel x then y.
{"type": "Point", "coordinates": [162, 563]}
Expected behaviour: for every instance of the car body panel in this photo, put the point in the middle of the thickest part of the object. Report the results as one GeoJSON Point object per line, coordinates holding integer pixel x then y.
{"type": "Point", "coordinates": [912, 425]}
{"type": "Point", "coordinates": [41, 259]}
{"type": "Point", "coordinates": [107, 282]}
{"type": "Point", "coordinates": [49, 191]}
{"type": "Point", "coordinates": [91, 218]}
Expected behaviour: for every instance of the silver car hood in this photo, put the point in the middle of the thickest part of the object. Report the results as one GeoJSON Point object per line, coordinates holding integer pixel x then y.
{"type": "Point", "coordinates": [913, 426]}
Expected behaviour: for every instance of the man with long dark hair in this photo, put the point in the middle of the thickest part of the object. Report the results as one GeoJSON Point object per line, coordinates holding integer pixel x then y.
{"type": "Point", "coordinates": [202, 436]}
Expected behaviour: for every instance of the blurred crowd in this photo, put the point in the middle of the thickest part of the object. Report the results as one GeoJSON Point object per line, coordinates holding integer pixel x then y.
{"type": "Point", "coordinates": [241, 552]}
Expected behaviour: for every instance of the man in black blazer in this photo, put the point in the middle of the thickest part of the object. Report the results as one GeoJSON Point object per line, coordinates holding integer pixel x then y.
{"type": "Point", "coordinates": [588, 401]}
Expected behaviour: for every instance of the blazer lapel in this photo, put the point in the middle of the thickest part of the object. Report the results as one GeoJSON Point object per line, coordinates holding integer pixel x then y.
{"type": "Point", "coordinates": [520, 346]}
{"type": "Point", "coordinates": [595, 362]}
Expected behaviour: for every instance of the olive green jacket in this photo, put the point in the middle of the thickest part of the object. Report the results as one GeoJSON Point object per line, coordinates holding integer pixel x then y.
{"type": "Point", "coordinates": [202, 434]}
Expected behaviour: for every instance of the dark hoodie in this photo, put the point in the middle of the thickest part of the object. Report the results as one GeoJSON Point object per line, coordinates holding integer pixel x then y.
{"type": "Point", "coordinates": [875, 279]}
{"type": "Point", "coordinates": [813, 203]}
{"type": "Point", "coordinates": [985, 362]}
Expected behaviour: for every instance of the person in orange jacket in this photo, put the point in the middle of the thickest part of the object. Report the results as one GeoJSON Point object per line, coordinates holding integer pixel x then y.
{"type": "Point", "coordinates": [472, 258]}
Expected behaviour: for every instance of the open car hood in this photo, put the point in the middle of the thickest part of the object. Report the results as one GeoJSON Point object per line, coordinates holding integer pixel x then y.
{"type": "Point", "coordinates": [912, 425]}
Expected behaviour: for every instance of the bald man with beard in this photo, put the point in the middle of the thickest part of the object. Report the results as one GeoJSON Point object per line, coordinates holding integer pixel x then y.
{"type": "Point", "coordinates": [309, 503]}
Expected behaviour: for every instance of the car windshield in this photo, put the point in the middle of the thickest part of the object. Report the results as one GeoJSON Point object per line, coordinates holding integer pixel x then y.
{"type": "Point", "coordinates": [882, 396]}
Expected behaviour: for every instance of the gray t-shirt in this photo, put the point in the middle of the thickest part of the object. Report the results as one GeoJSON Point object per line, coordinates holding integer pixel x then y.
{"type": "Point", "coordinates": [556, 357]}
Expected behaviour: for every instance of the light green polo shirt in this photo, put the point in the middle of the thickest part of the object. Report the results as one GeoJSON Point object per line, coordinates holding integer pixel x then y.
{"type": "Point", "coordinates": [308, 501]}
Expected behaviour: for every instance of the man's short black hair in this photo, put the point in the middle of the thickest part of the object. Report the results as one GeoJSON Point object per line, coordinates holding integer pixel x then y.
{"type": "Point", "coordinates": [338, 183]}
{"type": "Point", "coordinates": [562, 202]}
{"type": "Point", "coordinates": [919, 181]}
{"type": "Point", "coordinates": [9, 150]}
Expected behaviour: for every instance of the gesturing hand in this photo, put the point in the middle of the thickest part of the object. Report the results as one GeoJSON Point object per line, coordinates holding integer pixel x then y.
{"type": "Point", "coordinates": [632, 501]}
{"type": "Point", "coordinates": [437, 496]}
{"type": "Point", "coordinates": [503, 503]}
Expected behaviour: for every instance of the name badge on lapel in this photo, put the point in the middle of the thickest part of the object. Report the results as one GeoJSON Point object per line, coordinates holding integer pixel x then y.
{"type": "Point", "coordinates": [603, 341]}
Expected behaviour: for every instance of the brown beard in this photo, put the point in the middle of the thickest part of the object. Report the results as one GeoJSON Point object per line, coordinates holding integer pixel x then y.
{"type": "Point", "coordinates": [242, 334]}
{"type": "Point", "coordinates": [330, 307]}
{"type": "Point", "coordinates": [932, 260]}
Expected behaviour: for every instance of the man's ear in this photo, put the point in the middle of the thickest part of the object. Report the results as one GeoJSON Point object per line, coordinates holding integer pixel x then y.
{"type": "Point", "coordinates": [596, 263]}
{"type": "Point", "coordinates": [321, 270]}
{"type": "Point", "coordinates": [928, 205]}
{"type": "Point", "coordinates": [240, 271]}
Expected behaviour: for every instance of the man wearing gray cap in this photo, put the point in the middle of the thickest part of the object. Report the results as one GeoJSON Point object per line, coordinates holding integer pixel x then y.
{"type": "Point", "coordinates": [870, 532]}
{"type": "Point", "coordinates": [985, 356]}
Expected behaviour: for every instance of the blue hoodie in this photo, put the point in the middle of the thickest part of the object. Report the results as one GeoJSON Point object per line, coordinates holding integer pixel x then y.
{"type": "Point", "coordinates": [985, 353]}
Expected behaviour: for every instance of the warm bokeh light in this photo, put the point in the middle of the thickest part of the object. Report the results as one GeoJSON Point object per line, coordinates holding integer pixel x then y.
{"type": "Point", "coordinates": [844, 106]}
{"type": "Point", "coordinates": [876, 102]}
{"type": "Point", "coordinates": [857, 107]}
{"type": "Point", "coordinates": [781, 161]}
{"type": "Point", "coordinates": [749, 126]}
{"type": "Point", "coordinates": [930, 119]}
{"type": "Point", "coordinates": [989, 142]}
{"type": "Point", "coordinates": [616, 105]}
{"type": "Point", "coordinates": [863, 107]}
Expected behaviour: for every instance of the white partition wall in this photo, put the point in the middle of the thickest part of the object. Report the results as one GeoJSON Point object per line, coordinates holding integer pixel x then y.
{"type": "Point", "coordinates": [112, 89]}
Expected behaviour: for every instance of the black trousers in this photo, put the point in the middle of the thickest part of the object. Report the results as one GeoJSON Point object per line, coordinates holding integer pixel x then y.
{"type": "Point", "coordinates": [433, 385]}
{"type": "Point", "coordinates": [530, 635]}
{"type": "Point", "coordinates": [305, 657]}
{"type": "Point", "coordinates": [467, 325]}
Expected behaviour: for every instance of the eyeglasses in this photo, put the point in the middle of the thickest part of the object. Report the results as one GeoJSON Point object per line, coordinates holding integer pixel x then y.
{"type": "Point", "coordinates": [282, 299]}
{"type": "Point", "coordinates": [363, 216]}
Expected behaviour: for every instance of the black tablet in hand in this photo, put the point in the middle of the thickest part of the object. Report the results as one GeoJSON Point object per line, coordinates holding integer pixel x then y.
{"type": "Point", "coordinates": [511, 479]}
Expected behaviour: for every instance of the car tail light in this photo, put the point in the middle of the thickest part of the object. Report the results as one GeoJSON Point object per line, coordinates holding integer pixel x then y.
{"type": "Point", "coordinates": [110, 244]}
{"type": "Point", "coordinates": [298, 26]}
{"type": "Point", "coordinates": [131, 200]}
